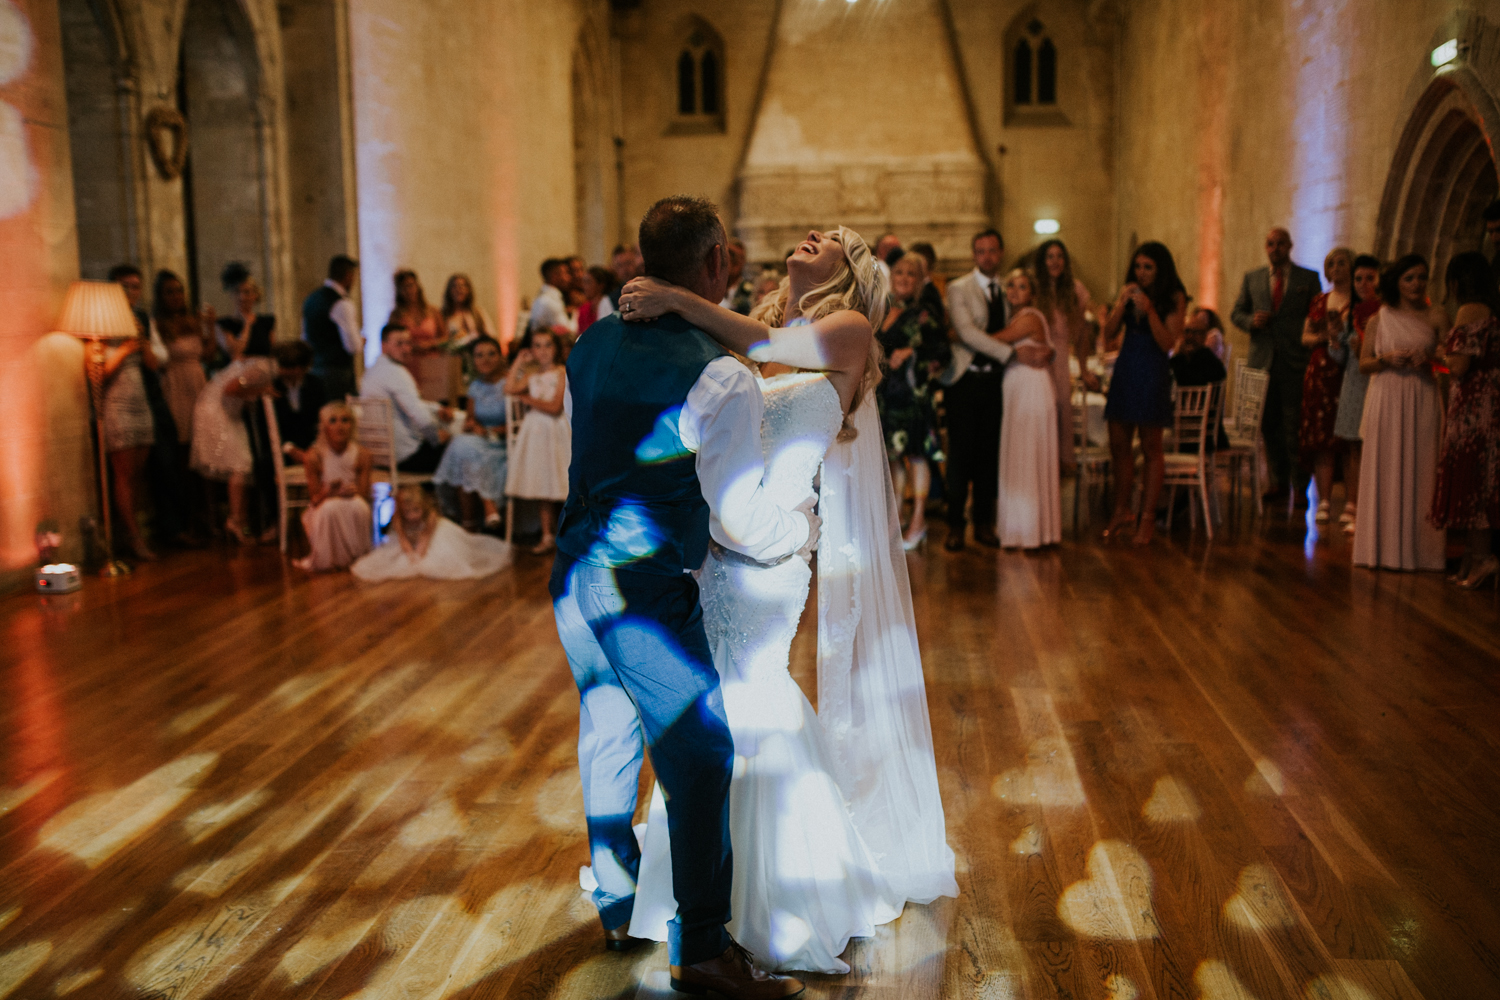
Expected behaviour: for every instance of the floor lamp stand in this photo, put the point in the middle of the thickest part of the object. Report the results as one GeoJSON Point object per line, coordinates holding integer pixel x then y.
{"type": "Point", "coordinates": [94, 366]}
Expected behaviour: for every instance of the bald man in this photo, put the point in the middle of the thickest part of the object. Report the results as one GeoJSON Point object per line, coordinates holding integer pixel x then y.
{"type": "Point", "coordinates": [1271, 307]}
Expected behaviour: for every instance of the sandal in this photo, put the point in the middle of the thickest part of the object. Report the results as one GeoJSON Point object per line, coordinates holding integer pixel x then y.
{"type": "Point", "coordinates": [1118, 525]}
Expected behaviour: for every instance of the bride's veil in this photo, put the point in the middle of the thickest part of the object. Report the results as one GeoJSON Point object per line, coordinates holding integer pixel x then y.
{"type": "Point", "coordinates": [872, 699]}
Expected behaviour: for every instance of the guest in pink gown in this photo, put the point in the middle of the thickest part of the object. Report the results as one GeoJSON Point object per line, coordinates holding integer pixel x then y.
{"type": "Point", "coordinates": [1029, 508]}
{"type": "Point", "coordinates": [1064, 301]}
{"type": "Point", "coordinates": [1401, 425]}
{"type": "Point", "coordinates": [433, 367]}
{"type": "Point", "coordinates": [338, 523]}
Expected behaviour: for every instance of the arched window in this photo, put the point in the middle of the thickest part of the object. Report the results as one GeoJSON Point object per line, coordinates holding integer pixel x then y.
{"type": "Point", "coordinates": [699, 76]}
{"type": "Point", "coordinates": [1021, 72]}
{"type": "Point", "coordinates": [1046, 73]}
{"type": "Point", "coordinates": [1032, 83]}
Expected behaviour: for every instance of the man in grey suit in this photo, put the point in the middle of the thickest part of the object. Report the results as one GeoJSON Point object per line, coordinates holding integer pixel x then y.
{"type": "Point", "coordinates": [1272, 307]}
{"type": "Point", "coordinates": [973, 390]}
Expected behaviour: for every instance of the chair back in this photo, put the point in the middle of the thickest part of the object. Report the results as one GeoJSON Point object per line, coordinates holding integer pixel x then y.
{"type": "Point", "coordinates": [515, 413]}
{"type": "Point", "coordinates": [1250, 401]}
{"type": "Point", "coordinates": [376, 433]}
{"type": "Point", "coordinates": [1190, 418]}
{"type": "Point", "coordinates": [1080, 401]}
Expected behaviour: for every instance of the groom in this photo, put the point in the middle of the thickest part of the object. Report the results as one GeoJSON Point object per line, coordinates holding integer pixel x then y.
{"type": "Point", "coordinates": [666, 452]}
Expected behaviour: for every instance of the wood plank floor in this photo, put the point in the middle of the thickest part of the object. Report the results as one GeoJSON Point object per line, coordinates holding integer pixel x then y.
{"type": "Point", "coordinates": [1238, 771]}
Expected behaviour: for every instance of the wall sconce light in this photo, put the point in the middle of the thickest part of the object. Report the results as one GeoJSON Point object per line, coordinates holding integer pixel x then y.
{"type": "Point", "coordinates": [1045, 227]}
{"type": "Point", "coordinates": [1445, 53]}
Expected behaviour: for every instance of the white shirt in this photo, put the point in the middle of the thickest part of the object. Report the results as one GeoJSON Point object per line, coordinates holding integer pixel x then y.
{"type": "Point", "coordinates": [342, 315]}
{"type": "Point", "coordinates": [549, 310]}
{"type": "Point", "coordinates": [968, 310]}
{"type": "Point", "coordinates": [720, 422]}
{"type": "Point", "coordinates": [388, 379]}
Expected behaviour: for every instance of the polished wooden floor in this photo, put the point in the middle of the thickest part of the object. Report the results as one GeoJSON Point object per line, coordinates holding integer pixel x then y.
{"type": "Point", "coordinates": [1229, 771]}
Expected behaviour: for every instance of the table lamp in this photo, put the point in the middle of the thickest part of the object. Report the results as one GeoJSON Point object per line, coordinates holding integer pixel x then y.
{"type": "Point", "coordinates": [97, 311]}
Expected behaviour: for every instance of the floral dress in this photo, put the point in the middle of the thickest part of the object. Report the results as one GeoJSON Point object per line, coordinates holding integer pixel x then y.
{"type": "Point", "coordinates": [1468, 475]}
{"type": "Point", "coordinates": [908, 416]}
{"type": "Point", "coordinates": [1321, 385]}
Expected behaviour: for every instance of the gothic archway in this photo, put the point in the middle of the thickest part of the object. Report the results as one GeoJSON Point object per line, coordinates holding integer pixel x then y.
{"type": "Point", "coordinates": [1441, 178]}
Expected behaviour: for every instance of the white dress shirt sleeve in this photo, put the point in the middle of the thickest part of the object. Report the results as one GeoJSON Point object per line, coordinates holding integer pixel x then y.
{"type": "Point", "coordinates": [972, 334]}
{"type": "Point", "coordinates": [342, 315]}
{"type": "Point", "coordinates": [158, 348]}
{"type": "Point", "coordinates": [397, 385]}
{"type": "Point", "coordinates": [720, 420]}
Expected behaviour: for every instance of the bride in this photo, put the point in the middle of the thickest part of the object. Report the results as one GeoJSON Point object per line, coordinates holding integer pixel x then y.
{"type": "Point", "coordinates": [835, 817]}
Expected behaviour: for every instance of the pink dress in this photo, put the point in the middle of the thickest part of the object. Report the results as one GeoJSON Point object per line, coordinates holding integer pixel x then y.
{"type": "Point", "coordinates": [431, 365]}
{"type": "Point", "coordinates": [1400, 432]}
{"type": "Point", "coordinates": [182, 381]}
{"type": "Point", "coordinates": [1029, 507]}
{"type": "Point", "coordinates": [340, 529]}
{"type": "Point", "coordinates": [1062, 376]}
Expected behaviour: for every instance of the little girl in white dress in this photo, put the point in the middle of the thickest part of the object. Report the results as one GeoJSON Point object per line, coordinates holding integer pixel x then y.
{"type": "Point", "coordinates": [421, 543]}
{"type": "Point", "coordinates": [544, 447]}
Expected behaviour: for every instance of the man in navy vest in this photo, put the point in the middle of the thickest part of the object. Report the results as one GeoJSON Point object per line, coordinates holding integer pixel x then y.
{"type": "Point", "coordinates": [328, 327]}
{"type": "Point", "coordinates": [666, 453]}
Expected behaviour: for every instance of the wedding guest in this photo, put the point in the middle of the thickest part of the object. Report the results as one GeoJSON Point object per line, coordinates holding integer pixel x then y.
{"type": "Point", "coordinates": [544, 444]}
{"type": "Point", "coordinates": [1144, 323]}
{"type": "Point", "coordinates": [914, 337]}
{"type": "Point", "coordinates": [431, 365]}
{"type": "Point", "coordinates": [768, 282]}
{"type": "Point", "coordinates": [237, 280]}
{"type": "Point", "coordinates": [887, 250]}
{"type": "Point", "coordinates": [464, 320]}
{"type": "Point", "coordinates": [420, 435]}
{"type": "Point", "coordinates": [1401, 425]}
{"type": "Point", "coordinates": [974, 384]}
{"type": "Point", "coordinates": [337, 519]}
{"type": "Point", "coordinates": [741, 294]}
{"type": "Point", "coordinates": [1272, 307]}
{"type": "Point", "coordinates": [1029, 509]}
{"type": "Point", "coordinates": [221, 448]}
{"type": "Point", "coordinates": [421, 543]}
{"type": "Point", "coordinates": [596, 286]}
{"type": "Point", "coordinates": [624, 263]}
{"type": "Point", "coordinates": [1351, 409]}
{"type": "Point", "coordinates": [300, 396]}
{"type": "Point", "coordinates": [183, 334]}
{"type": "Point", "coordinates": [1206, 320]}
{"type": "Point", "coordinates": [330, 329]}
{"type": "Point", "coordinates": [1467, 497]}
{"type": "Point", "coordinates": [935, 288]}
{"type": "Point", "coordinates": [475, 461]}
{"type": "Point", "coordinates": [1324, 380]}
{"type": "Point", "coordinates": [549, 310]}
{"type": "Point", "coordinates": [130, 425]}
{"type": "Point", "coordinates": [1063, 300]}
{"type": "Point", "coordinates": [1195, 363]}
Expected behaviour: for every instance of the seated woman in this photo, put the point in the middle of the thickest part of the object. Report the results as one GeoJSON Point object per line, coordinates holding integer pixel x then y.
{"type": "Point", "coordinates": [475, 460]}
{"type": "Point", "coordinates": [421, 543]}
{"type": "Point", "coordinates": [337, 520]}
{"type": "Point", "coordinates": [1029, 509]}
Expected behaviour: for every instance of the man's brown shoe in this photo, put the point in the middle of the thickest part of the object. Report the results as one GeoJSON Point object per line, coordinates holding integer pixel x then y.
{"type": "Point", "coordinates": [619, 939]}
{"type": "Point", "coordinates": [734, 975]}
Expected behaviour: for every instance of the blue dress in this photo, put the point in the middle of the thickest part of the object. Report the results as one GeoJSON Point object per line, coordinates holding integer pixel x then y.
{"type": "Point", "coordinates": [477, 462]}
{"type": "Point", "coordinates": [1140, 391]}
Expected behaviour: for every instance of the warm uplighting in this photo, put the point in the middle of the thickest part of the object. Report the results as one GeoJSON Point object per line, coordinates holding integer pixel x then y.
{"type": "Point", "coordinates": [1445, 53]}
{"type": "Point", "coordinates": [1046, 227]}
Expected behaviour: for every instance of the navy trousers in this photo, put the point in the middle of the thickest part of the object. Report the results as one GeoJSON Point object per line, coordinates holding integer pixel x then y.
{"type": "Point", "coordinates": [647, 684]}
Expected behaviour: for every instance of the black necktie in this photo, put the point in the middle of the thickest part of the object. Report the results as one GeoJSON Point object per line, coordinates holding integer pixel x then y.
{"type": "Point", "coordinates": [996, 321]}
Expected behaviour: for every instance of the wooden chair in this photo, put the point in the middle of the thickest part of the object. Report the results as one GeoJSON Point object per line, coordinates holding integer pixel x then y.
{"type": "Point", "coordinates": [1188, 462]}
{"type": "Point", "coordinates": [1092, 459]}
{"type": "Point", "coordinates": [1244, 432]}
{"type": "Point", "coordinates": [289, 478]}
{"type": "Point", "coordinates": [376, 434]}
{"type": "Point", "coordinates": [515, 412]}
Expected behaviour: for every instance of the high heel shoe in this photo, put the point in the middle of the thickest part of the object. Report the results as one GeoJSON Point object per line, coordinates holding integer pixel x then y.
{"type": "Point", "coordinates": [1482, 574]}
{"type": "Point", "coordinates": [1322, 515]}
{"type": "Point", "coordinates": [1465, 567]}
{"type": "Point", "coordinates": [1118, 527]}
{"type": "Point", "coordinates": [236, 532]}
{"type": "Point", "coordinates": [919, 542]}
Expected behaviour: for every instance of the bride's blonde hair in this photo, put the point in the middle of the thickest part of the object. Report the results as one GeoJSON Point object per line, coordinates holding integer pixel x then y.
{"type": "Point", "coordinates": [858, 284]}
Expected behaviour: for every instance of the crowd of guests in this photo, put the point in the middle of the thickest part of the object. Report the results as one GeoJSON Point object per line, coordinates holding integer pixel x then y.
{"type": "Point", "coordinates": [977, 401]}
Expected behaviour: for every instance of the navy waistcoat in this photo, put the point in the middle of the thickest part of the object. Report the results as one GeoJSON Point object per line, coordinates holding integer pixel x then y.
{"type": "Point", "coordinates": [322, 333]}
{"type": "Point", "coordinates": [634, 501]}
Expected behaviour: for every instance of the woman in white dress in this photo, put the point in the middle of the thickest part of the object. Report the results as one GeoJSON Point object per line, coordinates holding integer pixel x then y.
{"type": "Point", "coordinates": [1402, 421]}
{"type": "Point", "coordinates": [422, 543]}
{"type": "Point", "coordinates": [835, 826]}
{"type": "Point", "coordinates": [221, 443]}
{"type": "Point", "coordinates": [337, 519]}
{"type": "Point", "coordinates": [544, 447]}
{"type": "Point", "coordinates": [1029, 508]}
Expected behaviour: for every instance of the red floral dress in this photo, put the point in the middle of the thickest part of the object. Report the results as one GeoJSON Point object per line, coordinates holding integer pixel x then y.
{"type": "Point", "coordinates": [1467, 494]}
{"type": "Point", "coordinates": [1321, 385]}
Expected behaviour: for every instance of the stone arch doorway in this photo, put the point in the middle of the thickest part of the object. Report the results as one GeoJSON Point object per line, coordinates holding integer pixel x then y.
{"type": "Point", "coordinates": [1441, 178]}
{"type": "Point", "coordinates": [100, 112]}
{"type": "Point", "coordinates": [226, 187]}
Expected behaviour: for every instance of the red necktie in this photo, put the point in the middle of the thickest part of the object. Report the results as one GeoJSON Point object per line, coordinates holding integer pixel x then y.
{"type": "Point", "coordinates": [1278, 289]}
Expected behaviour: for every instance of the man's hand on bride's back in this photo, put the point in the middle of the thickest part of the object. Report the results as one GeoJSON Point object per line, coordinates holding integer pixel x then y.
{"type": "Point", "coordinates": [645, 299]}
{"type": "Point", "coordinates": [814, 527]}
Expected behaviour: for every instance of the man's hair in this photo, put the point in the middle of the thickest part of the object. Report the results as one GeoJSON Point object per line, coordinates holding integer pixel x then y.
{"type": "Point", "coordinates": [987, 232]}
{"type": "Point", "coordinates": [124, 271]}
{"type": "Point", "coordinates": [340, 266]}
{"type": "Point", "coordinates": [390, 330]}
{"type": "Point", "coordinates": [1492, 211]}
{"type": "Point", "coordinates": [675, 236]}
{"type": "Point", "coordinates": [294, 354]}
{"type": "Point", "coordinates": [927, 252]}
{"type": "Point", "coordinates": [551, 264]}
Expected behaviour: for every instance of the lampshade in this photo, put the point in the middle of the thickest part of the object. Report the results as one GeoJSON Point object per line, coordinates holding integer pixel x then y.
{"type": "Point", "coordinates": [97, 310]}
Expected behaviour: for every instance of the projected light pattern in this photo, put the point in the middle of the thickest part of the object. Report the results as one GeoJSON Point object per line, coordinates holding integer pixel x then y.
{"type": "Point", "coordinates": [18, 176]}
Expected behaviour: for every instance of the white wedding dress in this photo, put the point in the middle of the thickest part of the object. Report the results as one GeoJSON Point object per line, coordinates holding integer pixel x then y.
{"type": "Point", "coordinates": [831, 836]}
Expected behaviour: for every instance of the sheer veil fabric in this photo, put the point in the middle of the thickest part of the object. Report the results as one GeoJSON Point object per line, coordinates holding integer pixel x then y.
{"type": "Point", "coordinates": [872, 697]}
